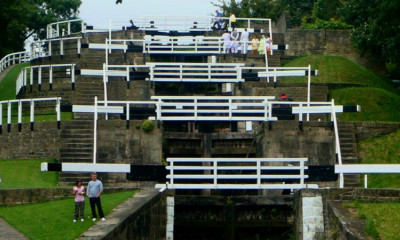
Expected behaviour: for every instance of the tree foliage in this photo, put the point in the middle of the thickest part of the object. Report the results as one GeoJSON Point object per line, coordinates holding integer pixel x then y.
{"type": "Point", "coordinates": [22, 18]}
{"type": "Point", "coordinates": [376, 26]}
{"type": "Point", "coordinates": [252, 8]}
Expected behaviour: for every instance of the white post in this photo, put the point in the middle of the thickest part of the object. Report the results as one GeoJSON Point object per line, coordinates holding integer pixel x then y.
{"type": "Point", "coordinates": [259, 173]}
{"type": "Point", "coordinates": [337, 143]}
{"type": "Point", "coordinates": [107, 51]}
{"type": "Point", "coordinates": [302, 172]}
{"type": "Point", "coordinates": [95, 131]}
{"type": "Point", "coordinates": [58, 110]}
{"type": "Point", "coordinates": [19, 112]}
{"type": "Point", "coordinates": [32, 117]}
{"type": "Point", "coordinates": [31, 77]}
{"type": "Point", "coordinates": [105, 80]}
{"type": "Point", "coordinates": [365, 181]}
{"type": "Point", "coordinates": [61, 47]}
{"type": "Point", "coordinates": [266, 60]}
{"type": "Point", "coordinates": [9, 113]}
{"type": "Point", "coordinates": [51, 76]}
{"type": "Point", "coordinates": [79, 46]}
{"type": "Point", "coordinates": [69, 28]}
{"type": "Point", "coordinates": [72, 73]}
{"type": "Point", "coordinates": [109, 32]}
{"type": "Point", "coordinates": [40, 76]}
{"type": "Point", "coordinates": [49, 48]}
{"type": "Point", "coordinates": [171, 172]}
{"type": "Point", "coordinates": [215, 173]}
{"type": "Point", "coordinates": [309, 91]}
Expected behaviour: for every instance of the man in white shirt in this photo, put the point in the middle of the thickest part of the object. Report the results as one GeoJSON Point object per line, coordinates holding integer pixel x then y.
{"type": "Point", "coordinates": [244, 41]}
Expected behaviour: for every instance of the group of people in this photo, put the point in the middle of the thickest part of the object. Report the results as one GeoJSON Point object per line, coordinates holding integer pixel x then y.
{"type": "Point", "coordinates": [232, 42]}
{"type": "Point", "coordinates": [93, 191]}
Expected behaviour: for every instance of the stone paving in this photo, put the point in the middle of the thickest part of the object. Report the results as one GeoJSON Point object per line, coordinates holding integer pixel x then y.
{"type": "Point", "coordinates": [7, 232]}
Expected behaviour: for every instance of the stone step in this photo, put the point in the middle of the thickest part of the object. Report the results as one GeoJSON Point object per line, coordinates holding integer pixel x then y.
{"type": "Point", "coordinates": [80, 159]}
{"type": "Point", "coordinates": [78, 155]}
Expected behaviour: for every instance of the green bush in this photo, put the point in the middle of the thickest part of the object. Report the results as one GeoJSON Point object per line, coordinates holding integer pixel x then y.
{"type": "Point", "coordinates": [147, 126]}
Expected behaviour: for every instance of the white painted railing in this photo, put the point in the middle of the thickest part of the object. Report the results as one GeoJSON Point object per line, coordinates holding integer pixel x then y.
{"type": "Point", "coordinates": [43, 48]}
{"type": "Point", "coordinates": [65, 28]}
{"type": "Point", "coordinates": [174, 45]}
{"type": "Point", "coordinates": [214, 108]}
{"type": "Point", "coordinates": [236, 173]}
{"type": "Point", "coordinates": [195, 72]}
{"type": "Point", "coordinates": [22, 80]}
{"type": "Point", "coordinates": [14, 58]}
{"type": "Point", "coordinates": [31, 103]}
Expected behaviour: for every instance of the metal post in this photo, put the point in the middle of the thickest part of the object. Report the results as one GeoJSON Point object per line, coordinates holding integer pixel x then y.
{"type": "Point", "coordinates": [49, 48]}
{"type": "Point", "coordinates": [95, 131]}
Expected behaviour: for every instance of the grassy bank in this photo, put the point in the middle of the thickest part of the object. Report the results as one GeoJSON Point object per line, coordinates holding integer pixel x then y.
{"type": "Point", "coordinates": [376, 104]}
{"type": "Point", "coordinates": [26, 174]}
{"type": "Point", "coordinates": [53, 220]}
{"type": "Point", "coordinates": [381, 150]}
{"type": "Point", "coordinates": [382, 219]}
{"type": "Point", "coordinates": [7, 85]}
{"type": "Point", "coordinates": [337, 69]}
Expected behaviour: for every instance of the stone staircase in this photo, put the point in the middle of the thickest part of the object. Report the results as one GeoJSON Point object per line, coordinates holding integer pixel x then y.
{"type": "Point", "coordinates": [76, 146]}
{"type": "Point", "coordinates": [348, 147]}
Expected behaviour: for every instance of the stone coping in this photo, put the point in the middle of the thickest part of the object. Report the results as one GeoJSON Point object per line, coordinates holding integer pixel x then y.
{"type": "Point", "coordinates": [121, 215]}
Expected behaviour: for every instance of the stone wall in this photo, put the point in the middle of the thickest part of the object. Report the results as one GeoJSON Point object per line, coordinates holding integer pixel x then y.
{"type": "Point", "coordinates": [141, 217]}
{"type": "Point", "coordinates": [374, 129]}
{"type": "Point", "coordinates": [43, 142]}
{"type": "Point", "coordinates": [285, 139]}
{"type": "Point", "coordinates": [304, 42]}
{"type": "Point", "coordinates": [10, 197]}
{"type": "Point", "coordinates": [117, 144]}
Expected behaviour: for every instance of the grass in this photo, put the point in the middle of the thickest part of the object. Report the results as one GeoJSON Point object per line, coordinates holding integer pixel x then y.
{"type": "Point", "coordinates": [381, 150]}
{"type": "Point", "coordinates": [337, 69]}
{"type": "Point", "coordinates": [26, 174]}
{"type": "Point", "coordinates": [376, 104]}
{"type": "Point", "coordinates": [53, 220]}
{"type": "Point", "coordinates": [7, 85]}
{"type": "Point", "coordinates": [382, 219]}
{"type": "Point", "coordinates": [39, 116]}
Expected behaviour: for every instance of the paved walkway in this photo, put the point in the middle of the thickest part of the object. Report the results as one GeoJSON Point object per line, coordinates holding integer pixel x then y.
{"type": "Point", "coordinates": [7, 232]}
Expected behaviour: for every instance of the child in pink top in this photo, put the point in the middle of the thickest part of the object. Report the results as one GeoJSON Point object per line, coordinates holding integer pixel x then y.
{"type": "Point", "coordinates": [79, 192]}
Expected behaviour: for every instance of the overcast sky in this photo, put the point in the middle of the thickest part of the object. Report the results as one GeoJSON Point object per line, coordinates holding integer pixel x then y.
{"type": "Point", "coordinates": [97, 12]}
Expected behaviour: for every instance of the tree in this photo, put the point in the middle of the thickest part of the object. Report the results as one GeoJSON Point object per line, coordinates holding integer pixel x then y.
{"type": "Point", "coordinates": [22, 18]}
{"type": "Point", "coordinates": [252, 8]}
{"type": "Point", "coordinates": [376, 26]}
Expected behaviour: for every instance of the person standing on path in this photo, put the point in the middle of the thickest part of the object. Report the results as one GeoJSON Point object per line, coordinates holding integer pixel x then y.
{"type": "Point", "coordinates": [94, 190]}
{"type": "Point", "coordinates": [79, 191]}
